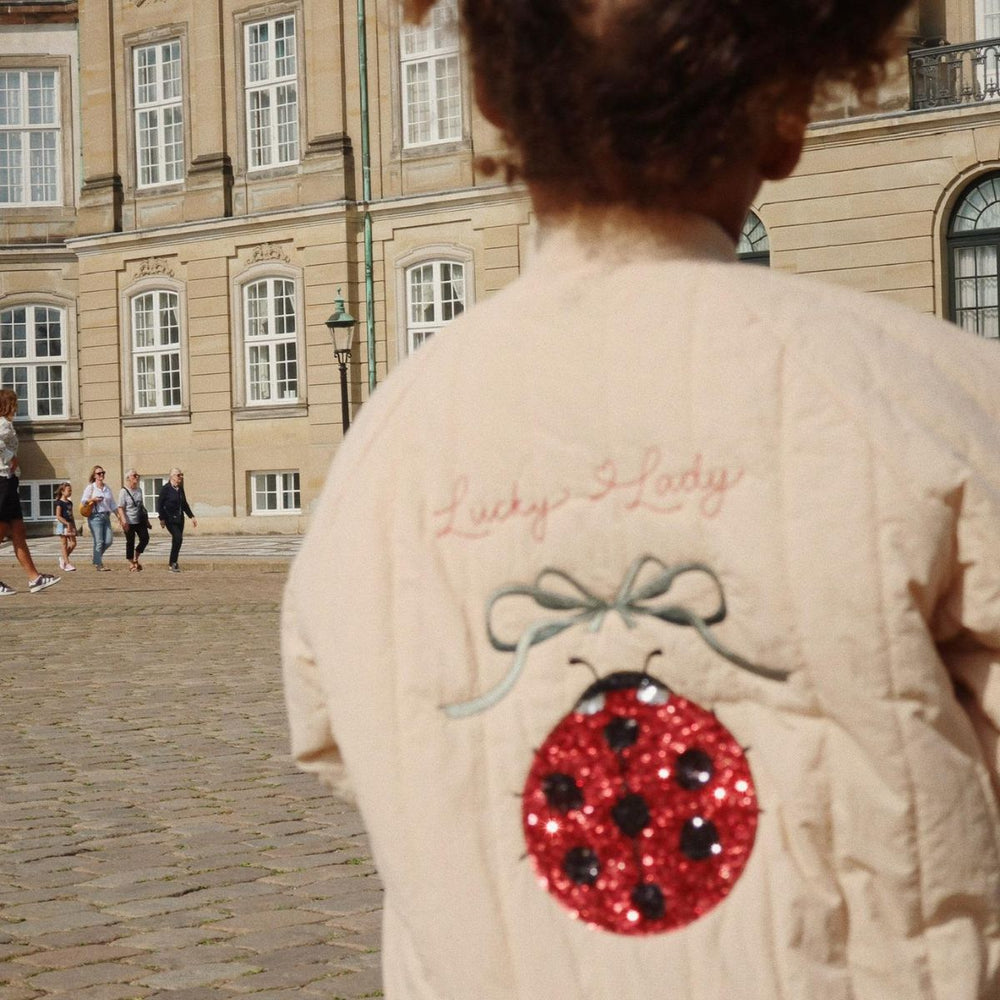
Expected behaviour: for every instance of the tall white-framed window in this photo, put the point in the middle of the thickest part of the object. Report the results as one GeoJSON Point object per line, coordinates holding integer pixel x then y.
{"type": "Point", "coordinates": [30, 137]}
{"type": "Point", "coordinates": [159, 113]}
{"type": "Point", "coordinates": [156, 351]}
{"type": "Point", "coordinates": [987, 18]}
{"type": "Point", "coordinates": [275, 493]}
{"type": "Point", "coordinates": [435, 295]}
{"type": "Point", "coordinates": [34, 359]}
{"type": "Point", "coordinates": [38, 498]}
{"type": "Point", "coordinates": [151, 486]}
{"type": "Point", "coordinates": [270, 341]}
{"type": "Point", "coordinates": [974, 258]}
{"type": "Point", "coordinates": [431, 78]}
{"type": "Point", "coordinates": [272, 101]}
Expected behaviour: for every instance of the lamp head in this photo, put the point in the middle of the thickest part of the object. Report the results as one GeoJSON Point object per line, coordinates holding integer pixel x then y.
{"type": "Point", "coordinates": [341, 326]}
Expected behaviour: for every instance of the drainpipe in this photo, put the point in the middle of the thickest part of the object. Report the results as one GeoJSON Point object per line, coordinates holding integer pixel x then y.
{"type": "Point", "coordinates": [366, 193]}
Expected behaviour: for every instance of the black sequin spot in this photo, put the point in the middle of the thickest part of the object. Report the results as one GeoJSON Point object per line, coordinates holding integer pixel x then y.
{"type": "Point", "coordinates": [581, 865]}
{"type": "Point", "coordinates": [694, 769]}
{"type": "Point", "coordinates": [648, 900]}
{"type": "Point", "coordinates": [621, 733]}
{"type": "Point", "coordinates": [699, 839]}
{"type": "Point", "coordinates": [561, 791]}
{"type": "Point", "coordinates": [631, 814]}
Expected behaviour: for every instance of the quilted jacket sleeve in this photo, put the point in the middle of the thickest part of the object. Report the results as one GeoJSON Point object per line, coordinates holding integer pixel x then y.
{"type": "Point", "coordinates": [972, 613]}
{"type": "Point", "coordinates": [968, 620]}
{"type": "Point", "coordinates": [314, 747]}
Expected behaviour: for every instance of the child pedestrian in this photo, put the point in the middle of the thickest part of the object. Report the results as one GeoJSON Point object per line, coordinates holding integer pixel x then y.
{"type": "Point", "coordinates": [65, 525]}
{"type": "Point", "coordinates": [651, 611]}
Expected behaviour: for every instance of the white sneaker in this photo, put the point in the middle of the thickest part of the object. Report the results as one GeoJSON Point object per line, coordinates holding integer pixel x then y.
{"type": "Point", "coordinates": [6, 591]}
{"type": "Point", "coordinates": [41, 582]}
{"type": "Point", "coordinates": [62, 564]}
{"type": "Point", "coordinates": [69, 568]}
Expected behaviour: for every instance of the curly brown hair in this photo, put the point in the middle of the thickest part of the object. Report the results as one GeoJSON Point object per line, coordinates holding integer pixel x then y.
{"type": "Point", "coordinates": [625, 101]}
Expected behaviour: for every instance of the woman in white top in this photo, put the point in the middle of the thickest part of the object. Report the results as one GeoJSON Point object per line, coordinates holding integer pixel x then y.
{"type": "Point", "coordinates": [11, 517]}
{"type": "Point", "coordinates": [99, 519]}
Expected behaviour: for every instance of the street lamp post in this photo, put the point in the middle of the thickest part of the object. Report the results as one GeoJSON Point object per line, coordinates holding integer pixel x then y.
{"type": "Point", "coordinates": [341, 326]}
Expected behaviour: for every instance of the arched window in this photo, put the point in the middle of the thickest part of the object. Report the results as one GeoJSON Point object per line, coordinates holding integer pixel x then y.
{"type": "Point", "coordinates": [754, 247]}
{"type": "Point", "coordinates": [435, 295]}
{"type": "Point", "coordinates": [270, 339]}
{"type": "Point", "coordinates": [974, 258]}
{"type": "Point", "coordinates": [34, 360]}
{"type": "Point", "coordinates": [156, 351]}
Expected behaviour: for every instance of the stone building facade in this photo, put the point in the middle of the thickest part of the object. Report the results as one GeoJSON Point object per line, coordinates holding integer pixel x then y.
{"type": "Point", "coordinates": [187, 185]}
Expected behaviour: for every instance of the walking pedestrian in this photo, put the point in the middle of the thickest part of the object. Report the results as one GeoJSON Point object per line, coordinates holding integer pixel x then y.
{"type": "Point", "coordinates": [171, 506]}
{"type": "Point", "coordinates": [98, 498]}
{"type": "Point", "coordinates": [11, 515]}
{"type": "Point", "coordinates": [65, 525]}
{"type": "Point", "coordinates": [674, 668]}
{"type": "Point", "coordinates": [132, 512]}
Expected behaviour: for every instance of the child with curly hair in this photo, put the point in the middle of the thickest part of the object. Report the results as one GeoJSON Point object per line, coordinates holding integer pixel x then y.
{"type": "Point", "coordinates": [651, 612]}
{"type": "Point", "coordinates": [65, 525]}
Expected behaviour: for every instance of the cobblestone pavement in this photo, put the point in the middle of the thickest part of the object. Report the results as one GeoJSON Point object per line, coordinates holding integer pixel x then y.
{"type": "Point", "coordinates": [155, 839]}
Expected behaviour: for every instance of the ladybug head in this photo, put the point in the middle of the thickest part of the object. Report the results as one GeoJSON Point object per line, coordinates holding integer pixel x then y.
{"type": "Point", "coordinates": [648, 690]}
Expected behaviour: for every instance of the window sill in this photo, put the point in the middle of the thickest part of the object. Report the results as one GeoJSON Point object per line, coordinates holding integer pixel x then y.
{"type": "Point", "coordinates": [49, 428]}
{"type": "Point", "coordinates": [272, 171]}
{"type": "Point", "coordinates": [156, 419]}
{"type": "Point", "coordinates": [282, 410]}
{"type": "Point", "coordinates": [447, 147]}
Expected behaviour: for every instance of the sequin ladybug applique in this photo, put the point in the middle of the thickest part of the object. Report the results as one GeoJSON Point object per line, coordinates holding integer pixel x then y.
{"type": "Point", "coordinates": [639, 810]}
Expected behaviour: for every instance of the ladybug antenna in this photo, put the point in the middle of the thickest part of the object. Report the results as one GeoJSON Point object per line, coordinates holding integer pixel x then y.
{"type": "Point", "coordinates": [576, 661]}
{"type": "Point", "coordinates": [656, 652]}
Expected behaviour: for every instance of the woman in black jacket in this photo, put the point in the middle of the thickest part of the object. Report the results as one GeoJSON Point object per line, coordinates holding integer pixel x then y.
{"type": "Point", "coordinates": [171, 506]}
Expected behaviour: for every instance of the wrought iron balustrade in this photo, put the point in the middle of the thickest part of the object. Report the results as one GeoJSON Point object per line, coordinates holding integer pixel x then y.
{"type": "Point", "coordinates": [951, 75]}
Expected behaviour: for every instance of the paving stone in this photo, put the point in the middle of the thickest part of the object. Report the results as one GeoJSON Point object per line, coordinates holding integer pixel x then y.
{"type": "Point", "coordinates": [199, 975]}
{"type": "Point", "coordinates": [68, 958]}
{"type": "Point", "coordinates": [81, 976]}
{"type": "Point", "coordinates": [272, 920]}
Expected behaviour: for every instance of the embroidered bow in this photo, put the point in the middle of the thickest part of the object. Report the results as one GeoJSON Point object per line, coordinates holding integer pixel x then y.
{"type": "Point", "coordinates": [580, 606]}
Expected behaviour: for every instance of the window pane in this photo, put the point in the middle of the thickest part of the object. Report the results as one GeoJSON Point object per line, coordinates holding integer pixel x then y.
{"type": "Point", "coordinates": [287, 371]}
{"type": "Point", "coordinates": [258, 37]}
{"type": "Point", "coordinates": [10, 99]}
{"type": "Point", "coordinates": [13, 334]}
{"type": "Point", "coordinates": [171, 55]}
{"type": "Point", "coordinates": [256, 307]}
{"type": "Point", "coordinates": [436, 295]}
{"type": "Point", "coordinates": [284, 47]}
{"type": "Point", "coordinates": [975, 290]}
{"type": "Point", "coordinates": [260, 373]}
{"type": "Point", "coordinates": [42, 98]}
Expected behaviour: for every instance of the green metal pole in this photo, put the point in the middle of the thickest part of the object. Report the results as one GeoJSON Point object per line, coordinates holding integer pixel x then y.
{"type": "Point", "coordinates": [366, 193]}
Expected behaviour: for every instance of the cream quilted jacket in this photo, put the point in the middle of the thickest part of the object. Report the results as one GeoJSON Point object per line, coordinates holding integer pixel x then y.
{"type": "Point", "coordinates": [749, 495]}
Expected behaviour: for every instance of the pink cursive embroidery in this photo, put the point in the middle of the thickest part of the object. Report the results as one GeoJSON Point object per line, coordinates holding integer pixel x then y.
{"type": "Point", "coordinates": [477, 520]}
{"type": "Point", "coordinates": [664, 491]}
{"type": "Point", "coordinates": [649, 484]}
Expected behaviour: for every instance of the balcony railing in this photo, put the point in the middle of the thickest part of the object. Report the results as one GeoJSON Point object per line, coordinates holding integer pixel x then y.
{"type": "Point", "coordinates": [952, 75]}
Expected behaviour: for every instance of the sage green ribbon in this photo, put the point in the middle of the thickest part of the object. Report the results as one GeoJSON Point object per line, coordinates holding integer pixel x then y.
{"type": "Point", "coordinates": [579, 606]}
